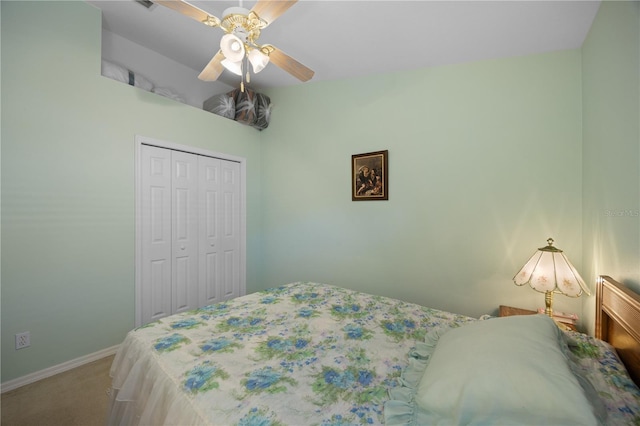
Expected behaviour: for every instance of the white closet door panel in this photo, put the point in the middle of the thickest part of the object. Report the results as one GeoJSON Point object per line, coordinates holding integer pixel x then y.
{"type": "Point", "coordinates": [229, 220]}
{"type": "Point", "coordinates": [209, 195]}
{"type": "Point", "coordinates": [155, 172]}
{"type": "Point", "coordinates": [159, 294]}
{"type": "Point", "coordinates": [184, 188]}
{"type": "Point", "coordinates": [210, 287]}
{"type": "Point", "coordinates": [189, 246]}
{"type": "Point", "coordinates": [230, 279]}
{"type": "Point", "coordinates": [182, 284]}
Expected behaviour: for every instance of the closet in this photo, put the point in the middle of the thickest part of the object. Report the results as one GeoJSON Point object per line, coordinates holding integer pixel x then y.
{"type": "Point", "coordinates": [190, 236]}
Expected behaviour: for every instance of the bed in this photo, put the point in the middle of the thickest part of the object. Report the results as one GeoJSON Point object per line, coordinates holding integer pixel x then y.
{"type": "Point", "coordinates": [309, 353]}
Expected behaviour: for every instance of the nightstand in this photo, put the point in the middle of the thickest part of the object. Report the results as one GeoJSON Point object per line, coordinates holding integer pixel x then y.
{"type": "Point", "coordinates": [507, 311]}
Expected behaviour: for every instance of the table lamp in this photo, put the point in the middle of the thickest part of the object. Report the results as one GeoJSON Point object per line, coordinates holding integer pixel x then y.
{"type": "Point", "coordinates": [549, 271]}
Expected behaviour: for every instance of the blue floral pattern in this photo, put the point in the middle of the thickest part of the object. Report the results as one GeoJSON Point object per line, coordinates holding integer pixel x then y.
{"type": "Point", "coordinates": [302, 353]}
{"type": "Point", "coordinates": [201, 378]}
{"type": "Point", "coordinates": [599, 363]}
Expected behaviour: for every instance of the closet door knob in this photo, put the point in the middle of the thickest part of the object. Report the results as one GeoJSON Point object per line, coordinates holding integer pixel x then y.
{"type": "Point", "coordinates": [182, 247]}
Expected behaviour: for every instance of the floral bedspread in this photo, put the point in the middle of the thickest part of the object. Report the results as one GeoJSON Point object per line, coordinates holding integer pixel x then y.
{"type": "Point", "coordinates": [299, 354]}
{"type": "Point", "coordinates": [598, 362]}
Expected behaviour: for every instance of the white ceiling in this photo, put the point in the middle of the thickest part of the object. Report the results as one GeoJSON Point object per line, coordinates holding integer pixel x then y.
{"type": "Point", "coordinates": [344, 39]}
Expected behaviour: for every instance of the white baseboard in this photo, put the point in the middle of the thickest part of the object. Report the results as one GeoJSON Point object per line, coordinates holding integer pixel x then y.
{"type": "Point", "coordinates": [56, 369]}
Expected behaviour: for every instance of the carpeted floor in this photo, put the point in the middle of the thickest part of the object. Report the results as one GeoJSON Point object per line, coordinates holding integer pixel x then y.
{"type": "Point", "coordinates": [77, 397]}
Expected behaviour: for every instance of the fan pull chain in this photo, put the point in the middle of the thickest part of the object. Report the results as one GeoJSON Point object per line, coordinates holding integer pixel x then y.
{"type": "Point", "coordinates": [247, 75]}
{"type": "Point", "coordinates": [242, 65]}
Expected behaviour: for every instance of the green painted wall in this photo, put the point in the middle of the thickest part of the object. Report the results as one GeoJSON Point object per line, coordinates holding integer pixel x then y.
{"type": "Point", "coordinates": [611, 153]}
{"type": "Point", "coordinates": [68, 184]}
{"type": "Point", "coordinates": [484, 165]}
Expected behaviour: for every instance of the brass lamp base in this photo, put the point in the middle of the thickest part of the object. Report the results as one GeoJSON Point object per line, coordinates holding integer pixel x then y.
{"type": "Point", "coordinates": [548, 310]}
{"type": "Point", "coordinates": [548, 303]}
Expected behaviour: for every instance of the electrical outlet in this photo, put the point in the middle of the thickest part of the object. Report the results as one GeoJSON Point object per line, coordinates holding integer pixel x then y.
{"type": "Point", "coordinates": [23, 340]}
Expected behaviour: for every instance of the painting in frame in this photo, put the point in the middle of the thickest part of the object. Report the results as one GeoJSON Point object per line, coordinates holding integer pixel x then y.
{"type": "Point", "coordinates": [370, 176]}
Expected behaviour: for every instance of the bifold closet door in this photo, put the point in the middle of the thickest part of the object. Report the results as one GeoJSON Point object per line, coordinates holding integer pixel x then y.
{"type": "Point", "coordinates": [184, 221]}
{"type": "Point", "coordinates": [155, 234]}
{"type": "Point", "coordinates": [190, 231]}
{"type": "Point", "coordinates": [169, 222]}
{"type": "Point", "coordinates": [229, 225]}
{"type": "Point", "coordinates": [219, 229]}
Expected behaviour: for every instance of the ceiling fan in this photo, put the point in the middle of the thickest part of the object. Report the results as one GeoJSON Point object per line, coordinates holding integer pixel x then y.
{"type": "Point", "coordinates": [239, 46]}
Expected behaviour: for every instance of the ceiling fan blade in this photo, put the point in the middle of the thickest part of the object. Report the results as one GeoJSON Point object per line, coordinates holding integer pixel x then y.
{"type": "Point", "coordinates": [213, 69]}
{"type": "Point", "coordinates": [270, 10]}
{"type": "Point", "coordinates": [191, 11]}
{"type": "Point", "coordinates": [290, 65]}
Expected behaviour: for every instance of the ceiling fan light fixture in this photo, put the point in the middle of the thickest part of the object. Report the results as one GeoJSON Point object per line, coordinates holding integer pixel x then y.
{"type": "Point", "coordinates": [233, 66]}
{"type": "Point", "coordinates": [242, 28]}
{"type": "Point", "coordinates": [258, 60]}
{"type": "Point", "coordinates": [232, 47]}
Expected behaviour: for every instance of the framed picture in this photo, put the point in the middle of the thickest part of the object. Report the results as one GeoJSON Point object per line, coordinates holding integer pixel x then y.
{"type": "Point", "coordinates": [370, 176]}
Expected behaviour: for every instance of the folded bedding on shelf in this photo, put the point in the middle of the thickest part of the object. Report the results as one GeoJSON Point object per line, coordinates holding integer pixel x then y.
{"type": "Point", "coordinates": [119, 73]}
{"type": "Point", "coordinates": [124, 75]}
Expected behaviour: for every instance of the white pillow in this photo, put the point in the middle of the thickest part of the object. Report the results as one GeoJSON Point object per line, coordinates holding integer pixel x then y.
{"type": "Point", "coordinates": [509, 370]}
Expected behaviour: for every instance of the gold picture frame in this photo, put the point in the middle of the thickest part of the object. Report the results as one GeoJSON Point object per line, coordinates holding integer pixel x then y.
{"type": "Point", "coordinates": [370, 176]}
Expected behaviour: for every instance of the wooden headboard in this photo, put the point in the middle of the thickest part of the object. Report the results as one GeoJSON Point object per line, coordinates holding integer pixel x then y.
{"type": "Point", "coordinates": [618, 322]}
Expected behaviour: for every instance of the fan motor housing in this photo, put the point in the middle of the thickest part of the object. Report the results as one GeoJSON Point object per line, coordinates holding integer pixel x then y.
{"type": "Point", "coordinates": [243, 23]}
